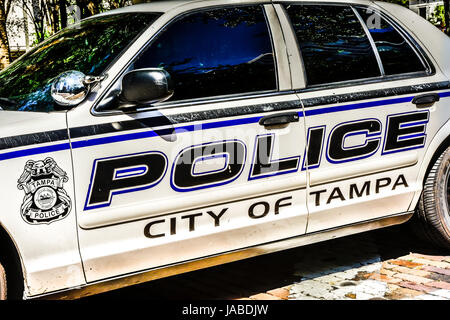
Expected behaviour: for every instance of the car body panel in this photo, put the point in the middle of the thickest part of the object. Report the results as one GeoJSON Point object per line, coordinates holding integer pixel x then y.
{"type": "Point", "coordinates": [409, 160]}
{"type": "Point", "coordinates": [161, 229]}
{"type": "Point", "coordinates": [48, 251]}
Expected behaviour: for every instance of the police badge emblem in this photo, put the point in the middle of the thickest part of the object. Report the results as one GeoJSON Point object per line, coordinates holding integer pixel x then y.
{"type": "Point", "coordinates": [45, 199]}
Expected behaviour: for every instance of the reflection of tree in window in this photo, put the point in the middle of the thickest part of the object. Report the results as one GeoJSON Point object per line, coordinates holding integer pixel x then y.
{"type": "Point", "coordinates": [217, 52]}
{"type": "Point", "coordinates": [396, 54]}
{"type": "Point", "coordinates": [89, 48]}
{"type": "Point", "coordinates": [333, 43]}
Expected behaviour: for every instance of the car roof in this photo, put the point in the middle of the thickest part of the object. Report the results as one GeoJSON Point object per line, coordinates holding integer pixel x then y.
{"type": "Point", "coordinates": [156, 6]}
{"type": "Point", "coordinates": [167, 5]}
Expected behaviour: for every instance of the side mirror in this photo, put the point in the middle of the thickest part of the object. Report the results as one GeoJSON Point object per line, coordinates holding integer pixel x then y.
{"type": "Point", "coordinates": [146, 86]}
{"type": "Point", "coordinates": [71, 87]}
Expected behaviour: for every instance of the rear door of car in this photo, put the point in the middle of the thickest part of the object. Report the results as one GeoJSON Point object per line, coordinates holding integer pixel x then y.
{"type": "Point", "coordinates": [214, 169]}
{"type": "Point", "coordinates": [367, 134]}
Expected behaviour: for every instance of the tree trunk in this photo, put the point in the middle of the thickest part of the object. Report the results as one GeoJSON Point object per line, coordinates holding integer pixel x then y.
{"type": "Point", "coordinates": [5, 55]}
{"type": "Point", "coordinates": [82, 4]}
{"type": "Point", "coordinates": [447, 16]}
{"type": "Point", "coordinates": [63, 13]}
{"type": "Point", "coordinates": [55, 16]}
{"type": "Point", "coordinates": [52, 15]}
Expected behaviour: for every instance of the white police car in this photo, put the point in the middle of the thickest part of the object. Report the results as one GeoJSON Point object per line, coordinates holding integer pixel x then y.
{"type": "Point", "coordinates": [172, 136]}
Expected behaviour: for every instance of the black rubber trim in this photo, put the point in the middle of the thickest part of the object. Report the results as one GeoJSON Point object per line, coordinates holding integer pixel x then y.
{"type": "Point", "coordinates": [165, 123]}
{"type": "Point", "coordinates": [159, 120]}
{"type": "Point", "coordinates": [380, 93]}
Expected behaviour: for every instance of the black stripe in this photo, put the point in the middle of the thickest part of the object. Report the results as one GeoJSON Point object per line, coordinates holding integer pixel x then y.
{"type": "Point", "coordinates": [165, 123]}
{"type": "Point", "coordinates": [33, 138]}
{"type": "Point", "coordinates": [380, 93]}
{"type": "Point", "coordinates": [159, 120]}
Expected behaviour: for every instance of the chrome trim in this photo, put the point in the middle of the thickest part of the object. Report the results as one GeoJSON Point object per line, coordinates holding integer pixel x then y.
{"type": "Point", "coordinates": [222, 258]}
{"type": "Point", "coordinates": [372, 43]}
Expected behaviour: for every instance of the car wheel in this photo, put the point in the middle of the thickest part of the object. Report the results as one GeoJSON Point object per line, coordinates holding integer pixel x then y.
{"type": "Point", "coordinates": [433, 210]}
{"type": "Point", "coordinates": [2, 283]}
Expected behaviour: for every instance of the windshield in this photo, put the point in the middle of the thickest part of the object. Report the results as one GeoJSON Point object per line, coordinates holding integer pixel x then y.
{"type": "Point", "coordinates": [88, 47]}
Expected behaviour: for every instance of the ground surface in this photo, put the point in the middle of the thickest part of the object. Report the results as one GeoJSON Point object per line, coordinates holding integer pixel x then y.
{"type": "Point", "coordinates": [384, 264]}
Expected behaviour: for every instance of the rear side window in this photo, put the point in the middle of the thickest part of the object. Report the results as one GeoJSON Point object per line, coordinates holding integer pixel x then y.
{"type": "Point", "coordinates": [333, 44]}
{"type": "Point", "coordinates": [395, 52]}
{"type": "Point", "coordinates": [217, 52]}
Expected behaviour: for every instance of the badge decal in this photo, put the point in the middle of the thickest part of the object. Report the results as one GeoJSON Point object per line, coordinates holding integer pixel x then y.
{"type": "Point", "coordinates": [45, 200]}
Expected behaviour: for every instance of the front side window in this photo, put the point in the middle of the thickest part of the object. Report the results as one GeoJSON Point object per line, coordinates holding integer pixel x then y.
{"type": "Point", "coordinates": [333, 44]}
{"type": "Point", "coordinates": [89, 47]}
{"type": "Point", "coordinates": [395, 52]}
{"type": "Point", "coordinates": [212, 53]}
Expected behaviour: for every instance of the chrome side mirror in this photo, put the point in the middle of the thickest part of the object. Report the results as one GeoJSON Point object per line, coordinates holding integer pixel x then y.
{"type": "Point", "coordinates": [71, 87]}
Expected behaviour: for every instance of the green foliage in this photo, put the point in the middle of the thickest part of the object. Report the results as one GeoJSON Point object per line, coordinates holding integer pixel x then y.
{"type": "Point", "coordinates": [404, 3]}
{"type": "Point", "coordinates": [437, 16]}
{"type": "Point", "coordinates": [88, 48]}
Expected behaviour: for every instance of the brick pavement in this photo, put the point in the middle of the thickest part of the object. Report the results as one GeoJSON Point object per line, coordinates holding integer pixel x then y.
{"type": "Point", "coordinates": [408, 277]}
{"type": "Point", "coordinates": [389, 264]}
{"type": "Point", "coordinates": [362, 274]}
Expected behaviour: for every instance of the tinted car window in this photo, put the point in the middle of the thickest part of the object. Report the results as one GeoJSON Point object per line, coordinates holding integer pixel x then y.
{"type": "Point", "coordinates": [218, 52]}
{"type": "Point", "coordinates": [89, 47]}
{"type": "Point", "coordinates": [333, 43]}
{"type": "Point", "coordinates": [395, 52]}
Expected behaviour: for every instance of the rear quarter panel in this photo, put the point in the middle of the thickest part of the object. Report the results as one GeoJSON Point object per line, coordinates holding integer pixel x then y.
{"type": "Point", "coordinates": [437, 46]}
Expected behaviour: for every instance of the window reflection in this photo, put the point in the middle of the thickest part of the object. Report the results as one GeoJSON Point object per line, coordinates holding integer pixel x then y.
{"type": "Point", "coordinates": [395, 52]}
{"type": "Point", "coordinates": [333, 43]}
{"type": "Point", "coordinates": [218, 52]}
{"type": "Point", "coordinates": [89, 48]}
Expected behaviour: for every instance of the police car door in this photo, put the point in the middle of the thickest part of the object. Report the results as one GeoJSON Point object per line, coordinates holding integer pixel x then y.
{"type": "Point", "coordinates": [367, 123]}
{"type": "Point", "coordinates": [213, 169]}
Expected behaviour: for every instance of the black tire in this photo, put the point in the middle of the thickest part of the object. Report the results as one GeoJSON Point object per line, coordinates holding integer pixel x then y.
{"type": "Point", "coordinates": [433, 209]}
{"type": "Point", "coordinates": [2, 283]}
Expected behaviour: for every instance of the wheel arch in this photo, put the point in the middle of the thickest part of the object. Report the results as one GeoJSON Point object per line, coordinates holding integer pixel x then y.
{"type": "Point", "coordinates": [440, 142]}
{"type": "Point", "coordinates": [441, 148]}
{"type": "Point", "coordinates": [12, 262]}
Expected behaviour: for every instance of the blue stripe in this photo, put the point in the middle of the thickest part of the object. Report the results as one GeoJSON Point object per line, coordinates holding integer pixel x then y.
{"type": "Point", "coordinates": [444, 94]}
{"type": "Point", "coordinates": [191, 128]}
{"type": "Point", "coordinates": [106, 140]}
{"type": "Point", "coordinates": [413, 124]}
{"type": "Point", "coordinates": [33, 151]}
{"type": "Point", "coordinates": [411, 136]}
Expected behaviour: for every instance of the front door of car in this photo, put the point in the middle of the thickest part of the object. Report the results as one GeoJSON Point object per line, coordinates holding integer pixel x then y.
{"type": "Point", "coordinates": [213, 169]}
{"type": "Point", "coordinates": [367, 133]}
